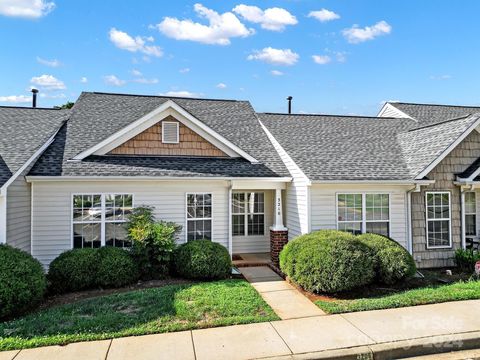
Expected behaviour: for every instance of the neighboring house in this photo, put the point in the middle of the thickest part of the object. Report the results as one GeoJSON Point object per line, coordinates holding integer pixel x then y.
{"type": "Point", "coordinates": [249, 181]}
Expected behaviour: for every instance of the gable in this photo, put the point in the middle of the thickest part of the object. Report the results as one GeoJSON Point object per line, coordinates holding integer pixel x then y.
{"type": "Point", "coordinates": [458, 160]}
{"type": "Point", "coordinates": [149, 142]}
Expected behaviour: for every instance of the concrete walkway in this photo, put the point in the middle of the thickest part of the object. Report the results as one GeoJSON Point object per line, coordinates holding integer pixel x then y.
{"type": "Point", "coordinates": [283, 298]}
{"type": "Point", "coordinates": [384, 334]}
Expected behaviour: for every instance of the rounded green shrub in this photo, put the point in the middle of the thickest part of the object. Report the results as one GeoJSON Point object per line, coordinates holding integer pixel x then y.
{"type": "Point", "coordinates": [202, 259]}
{"type": "Point", "coordinates": [327, 261]}
{"type": "Point", "coordinates": [393, 263]}
{"type": "Point", "coordinates": [22, 282]}
{"type": "Point", "coordinates": [74, 270]}
{"type": "Point", "coordinates": [116, 268]}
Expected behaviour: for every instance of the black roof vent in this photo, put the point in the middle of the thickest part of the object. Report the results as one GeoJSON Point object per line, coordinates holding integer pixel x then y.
{"type": "Point", "coordinates": [34, 97]}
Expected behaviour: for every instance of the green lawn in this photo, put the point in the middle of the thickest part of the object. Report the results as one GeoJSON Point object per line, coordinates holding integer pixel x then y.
{"type": "Point", "coordinates": [428, 295]}
{"type": "Point", "coordinates": [157, 310]}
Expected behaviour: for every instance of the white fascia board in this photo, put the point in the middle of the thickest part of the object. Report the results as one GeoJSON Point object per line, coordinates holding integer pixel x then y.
{"type": "Point", "coordinates": [157, 115]}
{"type": "Point", "coordinates": [291, 165]}
{"type": "Point", "coordinates": [37, 153]}
{"type": "Point", "coordinates": [388, 106]}
{"type": "Point", "coordinates": [258, 180]}
{"type": "Point", "coordinates": [448, 150]}
{"type": "Point", "coordinates": [379, 182]}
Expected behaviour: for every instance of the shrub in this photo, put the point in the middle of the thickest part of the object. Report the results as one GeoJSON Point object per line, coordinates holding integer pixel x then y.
{"type": "Point", "coordinates": [202, 259]}
{"type": "Point", "coordinates": [153, 242]}
{"type": "Point", "coordinates": [22, 282]}
{"type": "Point", "coordinates": [466, 259]}
{"type": "Point", "coordinates": [116, 268]}
{"type": "Point", "coordinates": [327, 261]}
{"type": "Point", "coordinates": [74, 270]}
{"type": "Point", "coordinates": [393, 263]}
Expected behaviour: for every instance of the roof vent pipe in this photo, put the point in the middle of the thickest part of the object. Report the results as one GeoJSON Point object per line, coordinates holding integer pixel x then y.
{"type": "Point", "coordinates": [289, 104]}
{"type": "Point", "coordinates": [34, 98]}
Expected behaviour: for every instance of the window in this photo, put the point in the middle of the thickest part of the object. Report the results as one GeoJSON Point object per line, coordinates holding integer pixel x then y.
{"type": "Point", "coordinates": [199, 216]}
{"type": "Point", "coordinates": [359, 213]}
{"type": "Point", "coordinates": [98, 220]}
{"type": "Point", "coordinates": [438, 219]}
{"type": "Point", "coordinates": [248, 214]}
{"type": "Point", "coordinates": [470, 214]}
{"type": "Point", "coordinates": [170, 132]}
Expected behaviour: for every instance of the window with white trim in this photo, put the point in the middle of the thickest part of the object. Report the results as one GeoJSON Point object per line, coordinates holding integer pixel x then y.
{"type": "Point", "coordinates": [438, 219]}
{"type": "Point", "coordinates": [364, 212]}
{"type": "Point", "coordinates": [199, 216]}
{"type": "Point", "coordinates": [470, 214]}
{"type": "Point", "coordinates": [98, 220]}
{"type": "Point", "coordinates": [248, 214]}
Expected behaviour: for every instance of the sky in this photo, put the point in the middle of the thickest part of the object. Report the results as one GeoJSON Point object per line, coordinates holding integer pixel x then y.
{"type": "Point", "coordinates": [336, 57]}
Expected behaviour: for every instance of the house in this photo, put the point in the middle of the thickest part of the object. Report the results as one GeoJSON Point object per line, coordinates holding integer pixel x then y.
{"type": "Point", "coordinates": [250, 181]}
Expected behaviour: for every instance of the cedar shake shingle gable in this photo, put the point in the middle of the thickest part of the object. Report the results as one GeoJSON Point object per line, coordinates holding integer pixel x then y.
{"type": "Point", "coordinates": [23, 131]}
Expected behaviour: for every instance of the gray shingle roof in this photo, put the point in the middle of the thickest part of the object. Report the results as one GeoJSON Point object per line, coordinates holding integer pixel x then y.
{"type": "Point", "coordinates": [431, 113]}
{"type": "Point", "coordinates": [96, 116]}
{"type": "Point", "coordinates": [361, 148]}
{"type": "Point", "coordinates": [22, 132]}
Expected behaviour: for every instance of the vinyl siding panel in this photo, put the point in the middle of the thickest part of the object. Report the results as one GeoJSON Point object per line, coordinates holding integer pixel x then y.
{"type": "Point", "coordinates": [51, 209]}
{"type": "Point", "coordinates": [297, 208]}
{"type": "Point", "coordinates": [323, 206]}
{"type": "Point", "coordinates": [18, 214]}
{"type": "Point", "coordinates": [256, 244]}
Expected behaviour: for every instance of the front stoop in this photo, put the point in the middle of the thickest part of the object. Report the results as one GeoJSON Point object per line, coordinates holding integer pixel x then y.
{"type": "Point", "coordinates": [278, 239]}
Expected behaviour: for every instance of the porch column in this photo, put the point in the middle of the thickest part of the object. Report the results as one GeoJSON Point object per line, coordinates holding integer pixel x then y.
{"type": "Point", "coordinates": [278, 232]}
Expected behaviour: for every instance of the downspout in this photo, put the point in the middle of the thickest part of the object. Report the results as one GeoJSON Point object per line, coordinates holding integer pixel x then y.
{"type": "Point", "coordinates": [229, 212]}
{"type": "Point", "coordinates": [3, 217]}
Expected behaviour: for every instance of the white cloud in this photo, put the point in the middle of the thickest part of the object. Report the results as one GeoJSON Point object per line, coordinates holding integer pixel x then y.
{"type": "Point", "coordinates": [124, 41]}
{"type": "Point", "coordinates": [355, 35]}
{"type": "Point", "coordinates": [52, 63]}
{"type": "Point", "coordinates": [48, 82]}
{"type": "Point", "coordinates": [321, 59]}
{"type": "Point", "coordinates": [30, 9]}
{"type": "Point", "coordinates": [221, 86]}
{"type": "Point", "coordinates": [341, 56]}
{"type": "Point", "coordinates": [276, 73]}
{"type": "Point", "coordinates": [136, 72]}
{"type": "Point", "coordinates": [220, 29]}
{"type": "Point", "coordinates": [274, 19]}
{"type": "Point", "coordinates": [275, 56]}
{"type": "Point", "coordinates": [16, 99]}
{"type": "Point", "coordinates": [440, 77]}
{"type": "Point", "coordinates": [83, 80]}
{"type": "Point", "coordinates": [324, 15]}
{"type": "Point", "coordinates": [113, 80]}
{"type": "Point", "coordinates": [184, 70]}
{"type": "Point", "coordinates": [53, 96]}
{"type": "Point", "coordinates": [142, 80]}
{"type": "Point", "coordinates": [181, 93]}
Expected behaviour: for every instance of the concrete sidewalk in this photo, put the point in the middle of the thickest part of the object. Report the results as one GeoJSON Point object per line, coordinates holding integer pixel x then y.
{"type": "Point", "coordinates": [385, 334]}
{"type": "Point", "coordinates": [283, 298]}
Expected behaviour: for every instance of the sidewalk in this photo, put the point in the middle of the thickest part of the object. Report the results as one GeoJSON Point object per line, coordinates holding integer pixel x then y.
{"type": "Point", "coordinates": [394, 333]}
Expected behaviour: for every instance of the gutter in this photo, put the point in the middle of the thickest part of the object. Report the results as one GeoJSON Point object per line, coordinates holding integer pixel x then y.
{"type": "Point", "coordinates": [389, 182]}
{"type": "Point", "coordinates": [35, 178]}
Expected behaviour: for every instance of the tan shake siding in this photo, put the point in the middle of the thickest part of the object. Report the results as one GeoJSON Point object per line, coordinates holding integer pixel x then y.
{"type": "Point", "coordinates": [149, 142]}
{"type": "Point", "coordinates": [444, 175]}
{"type": "Point", "coordinates": [18, 214]}
{"type": "Point", "coordinates": [52, 208]}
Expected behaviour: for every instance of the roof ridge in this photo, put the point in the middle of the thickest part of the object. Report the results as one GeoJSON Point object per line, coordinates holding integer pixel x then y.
{"type": "Point", "coordinates": [28, 107]}
{"type": "Point", "coordinates": [430, 104]}
{"type": "Point", "coordinates": [161, 96]}
{"type": "Point", "coordinates": [440, 122]}
{"type": "Point", "coordinates": [333, 115]}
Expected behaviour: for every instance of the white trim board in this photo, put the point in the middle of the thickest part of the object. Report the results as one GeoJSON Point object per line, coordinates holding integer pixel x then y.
{"type": "Point", "coordinates": [399, 114]}
{"type": "Point", "coordinates": [155, 178]}
{"type": "Point", "coordinates": [163, 111]}
{"type": "Point", "coordinates": [448, 150]}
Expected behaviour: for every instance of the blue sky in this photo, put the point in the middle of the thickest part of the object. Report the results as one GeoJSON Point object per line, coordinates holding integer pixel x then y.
{"type": "Point", "coordinates": [366, 52]}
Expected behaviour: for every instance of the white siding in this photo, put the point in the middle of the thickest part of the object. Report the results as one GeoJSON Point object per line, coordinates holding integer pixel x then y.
{"type": "Point", "coordinates": [390, 111]}
{"type": "Point", "coordinates": [51, 209]}
{"type": "Point", "coordinates": [323, 206]}
{"type": "Point", "coordinates": [256, 244]}
{"type": "Point", "coordinates": [297, 208]}
{"type": "Point", "coordinates": [18, 214]}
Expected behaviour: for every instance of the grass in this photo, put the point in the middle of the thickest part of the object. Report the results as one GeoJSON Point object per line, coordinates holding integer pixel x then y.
{"type": "Point", "coordinates": [421, 296]}
{"type": "Point", "coordinates": [157, 310]}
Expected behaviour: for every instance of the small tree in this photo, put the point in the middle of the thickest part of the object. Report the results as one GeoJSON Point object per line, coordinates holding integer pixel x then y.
{"type": "Point", "coordinates": [153, 242]}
